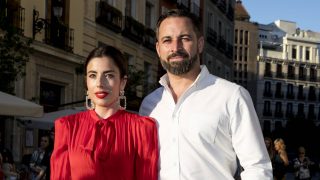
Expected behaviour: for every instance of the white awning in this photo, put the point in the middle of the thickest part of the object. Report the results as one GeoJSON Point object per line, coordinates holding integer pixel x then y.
{"type": "Point", "coordinates": [14, 106]}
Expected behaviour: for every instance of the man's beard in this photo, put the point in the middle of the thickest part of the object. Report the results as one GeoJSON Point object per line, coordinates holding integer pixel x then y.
{"type": "Point", "coordinates": [178, 68]}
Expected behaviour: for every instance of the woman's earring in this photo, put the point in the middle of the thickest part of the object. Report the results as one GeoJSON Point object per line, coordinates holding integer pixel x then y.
{"type": "Point", "coordinates": [89, 104]}
{"type": "Point", "coordinates": [123, 100]}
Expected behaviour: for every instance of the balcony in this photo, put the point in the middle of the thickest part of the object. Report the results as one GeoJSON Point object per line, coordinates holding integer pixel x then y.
{"type": "Point", "coordinates": [222, 5]}
{"type": "Point", "coordinates": [301, 96]}
{"type": "Point", "coordinates": [230, 14]}
{"type": "Point", "coordinates": [149, 39]}
{"type": "Point", "coordinates": [267, 113]}
{"type": "Point", "coordinates": [302, 77]}
{"type": "Point", "coordinates": [278, 114]}
{"type": "Point", "coordinates": [291, 76]}
{"type": "Point", "coordinates": [211, 37]}
{"type": "Point", "coordinates": [313, 78]}
{"type": "Point", "coordinates": [290, 96]}
{"type": "Point", "coordinates": [279, 75]}
{"type": "Point", "coordinates": [267, 94]}
{"type": "Point", "coordinates": [13, 16]}
{"type": "Point", "coordinates": [278, 95]}
{"type": "Point", "coordinates": [268, 74]}
{"type": "Point", "coordinates": [312, 96]}
{"type": "Point", "coordinates": [133, 30]}
{"type": "Point", "coordinates": [57, 33]}
{"type": "Point", "coordinates": [109, 17]}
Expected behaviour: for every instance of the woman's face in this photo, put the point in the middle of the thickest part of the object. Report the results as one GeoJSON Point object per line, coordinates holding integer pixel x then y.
{"type": "Point", "coordinates": [277, 146]}
{"type": "Point", "coordinates": [104, 82]}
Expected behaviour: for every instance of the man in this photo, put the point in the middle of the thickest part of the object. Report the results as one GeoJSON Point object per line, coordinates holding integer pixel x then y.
{"type": "Point", "coordinates": [205, 122]}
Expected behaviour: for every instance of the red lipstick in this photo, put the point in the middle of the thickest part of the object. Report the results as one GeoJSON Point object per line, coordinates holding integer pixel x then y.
{"type": "Point", "coordinates": [101, 94]}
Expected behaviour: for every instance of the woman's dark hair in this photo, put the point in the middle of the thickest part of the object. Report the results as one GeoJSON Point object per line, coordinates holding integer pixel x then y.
{"type": "Point", "coordinates": [111, 52]}
{"type": "Point", "coordinates": [180, 13]}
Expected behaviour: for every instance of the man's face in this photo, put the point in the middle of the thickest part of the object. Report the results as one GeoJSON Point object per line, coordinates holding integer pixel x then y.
{"type": "Point", "coordinates": [178, 46]}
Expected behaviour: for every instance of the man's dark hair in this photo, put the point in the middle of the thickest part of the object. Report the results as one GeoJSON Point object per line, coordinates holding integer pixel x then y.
{"type": "Point", "coordinates": [180, 13]}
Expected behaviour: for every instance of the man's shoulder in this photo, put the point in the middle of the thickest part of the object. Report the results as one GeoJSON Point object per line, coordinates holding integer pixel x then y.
{"type": "Point", "coordinates": [150, 101]}
{"type": "Point", "coordinates": [219, 82]}
{"type": "Point", "coordinates": [156, 94]}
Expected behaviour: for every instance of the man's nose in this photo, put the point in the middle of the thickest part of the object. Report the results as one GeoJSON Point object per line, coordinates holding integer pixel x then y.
{"type": "Point", "coordinates": [176, 45]}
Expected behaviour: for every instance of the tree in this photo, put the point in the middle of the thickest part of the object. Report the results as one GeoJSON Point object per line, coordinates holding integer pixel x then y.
{"type": "Point", "coordinates": [14, 50]}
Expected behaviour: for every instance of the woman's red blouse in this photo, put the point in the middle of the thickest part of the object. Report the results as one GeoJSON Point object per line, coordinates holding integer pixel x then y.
{"type": "Point", "coordinates": [121, 147]}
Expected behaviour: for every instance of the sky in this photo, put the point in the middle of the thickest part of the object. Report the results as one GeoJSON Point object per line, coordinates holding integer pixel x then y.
{"type": "Point", "coordinates": [306, 13]}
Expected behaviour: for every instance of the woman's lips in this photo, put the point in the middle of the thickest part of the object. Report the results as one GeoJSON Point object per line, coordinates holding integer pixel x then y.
{"type": "Point", "coordinates": [101, 95]}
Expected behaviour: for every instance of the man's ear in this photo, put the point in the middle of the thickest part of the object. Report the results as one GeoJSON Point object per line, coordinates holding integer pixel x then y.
{"type": "Point", "coordinates": [200, 44]}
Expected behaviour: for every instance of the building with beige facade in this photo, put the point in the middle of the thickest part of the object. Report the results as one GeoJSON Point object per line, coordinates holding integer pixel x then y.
{"type": "Point", "coordinates": [245, 50]}
{"type": "Point", "coordinates": [63, 33]}
{"type": "Point", "coordinates": [288, 83]}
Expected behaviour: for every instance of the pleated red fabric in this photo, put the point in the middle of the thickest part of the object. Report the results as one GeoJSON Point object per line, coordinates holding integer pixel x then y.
{"type": "Point", "coordinates": [121, 147]}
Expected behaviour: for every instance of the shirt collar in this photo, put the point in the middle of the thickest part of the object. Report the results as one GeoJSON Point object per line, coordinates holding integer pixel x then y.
{"type": "Point", "coordinates": [164, 80]}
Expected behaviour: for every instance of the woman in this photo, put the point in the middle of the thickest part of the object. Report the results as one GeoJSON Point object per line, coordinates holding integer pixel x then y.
{"type": "Point", "coordinates": [105, 142]}
{"type": "Point", "coordinates": [40, 159]}
{"type": "Point", "coordinates": [269, 146]}
{"type": "Point", "coordinates": [280, 161]}
{"type": "Point", "coordinates": [302, 165]}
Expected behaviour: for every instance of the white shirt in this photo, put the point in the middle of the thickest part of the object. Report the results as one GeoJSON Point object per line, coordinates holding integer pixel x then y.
{"type": "Point", "coordinates": [200, 136]}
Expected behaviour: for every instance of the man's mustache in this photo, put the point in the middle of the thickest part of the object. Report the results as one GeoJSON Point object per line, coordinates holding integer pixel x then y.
{"type": "Point", "coordinates": [178, 53]}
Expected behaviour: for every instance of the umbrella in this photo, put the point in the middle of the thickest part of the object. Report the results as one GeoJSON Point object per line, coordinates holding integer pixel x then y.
{"type": "Point", "coordinates": [14, 106]}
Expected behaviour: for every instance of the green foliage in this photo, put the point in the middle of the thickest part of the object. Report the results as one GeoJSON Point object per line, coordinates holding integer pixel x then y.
{"type": "Point", "coordinates": [14, 54]}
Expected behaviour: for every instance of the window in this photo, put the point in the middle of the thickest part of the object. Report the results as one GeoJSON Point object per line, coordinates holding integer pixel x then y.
{"type": "Point", "coordinates": [236, 36]}
{"type": "Point", "coordinates": [289, 110]}
{"type": "Point", "coordinates": [279, 70]}
{"type": "Point", "coordinates": [246, 37]}
{"type": "Point", "coordinates": [235, 53]}
{"type": "Point", "coordinates": [149, 15]}
{"type": "Point", "coordinates": [291, 72]}
{"type": "Point", "coordinates": [278, 111]}
{"type": "Point", "coordinates": [300, 92]}
{"type": "Point", "coordinates": [307, 53]}
{"type": "Point", "coordinates": [278, 90]}
{"type": "Point", "coordinates": [290, 94]}
{"type": "Point", "coordinates": [312, 93]}
{"type": "Point", "coordinates": [240, 53]}
{"type": "Point", "coordinates": [246, 54]}
{"type": "Point", "coordinates": [267, 89]}
{"type": "Point", "coordinates": [130, 9]}
{"type": "Point", "coordinates": [294, 52]}
{"type": "Point", "coordinates": [267, 71]}
{"type": "Point", "coordinates": [311, 114]}
{"type": "Point", "coordinates": [302, 73]}
{"type": "Point", "coordinates": [50, 96]}
{"type": "Point", "coordinates": [313, 74]}
{"type": "Point", "coordinates": [300, 113]}
{"type": "Point", "coordinates": [241, 36]}
{"type": "Point", "coordinates": [266, 108]}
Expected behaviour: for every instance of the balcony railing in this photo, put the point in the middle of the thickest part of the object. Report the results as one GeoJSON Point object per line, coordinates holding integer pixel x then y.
{"type": "Point", "coordinates": [267, 94]}
{"type": "Point", "coordinates": [291, 76]}
{"type": "Point", "coordinates": [14, 15]}
{"type": "Point", "coordinates": [222, 5]}
{"type": "Point", "coordinates": [313, 78]}
{"type": "Point", "coordinates": [279, 75]}
{"type": "Point", "coordinates": [109, 17]}
{"type": "Point", "coordinates": [133, 30]}
{"type": "Point", "coordinates": [57, 34]}
{"type": "Point", "coordinates": [267, 74]}
{"type": "Point", "coordinates": [149, 39]}
{"type": "Point", "coordinates": [267, 113]}
{"type": "Point", "coordinates": [278, 114]}
{"type": "Point", "coordinates": [211, 36]}
{"type": "Point", "coordinates": [302, 77]}
{"type": "Point", "coordinates": [290, 96]}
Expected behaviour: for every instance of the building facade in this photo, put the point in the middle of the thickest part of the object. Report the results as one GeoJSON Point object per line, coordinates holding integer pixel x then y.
{"type": "Point", "coordinates": [245, 50]}
{"type": "Point", "coordinates": [63, 33]}
{"type": "Point", "coordinates": [288, 83]}
{"type": "Point", "coordinates": [218, 28]}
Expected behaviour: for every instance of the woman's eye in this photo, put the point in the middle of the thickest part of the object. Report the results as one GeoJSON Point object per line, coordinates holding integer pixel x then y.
{"type": "Point", "coordinates": [109, 76]}
{"type": "Point", "coordinates": [91, 75]}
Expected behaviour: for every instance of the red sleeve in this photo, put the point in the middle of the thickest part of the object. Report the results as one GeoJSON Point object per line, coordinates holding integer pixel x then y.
{"type": "Point", "coordinates": [60, 167]}
{"type": "Point", "coordinates": [146, 162]}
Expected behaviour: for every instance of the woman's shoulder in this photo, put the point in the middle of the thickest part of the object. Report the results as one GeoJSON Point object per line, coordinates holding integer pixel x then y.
{"type": "Point", "coordinates": [140, 120]}
{"type": "Point", "coordinates": [72, 118]}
